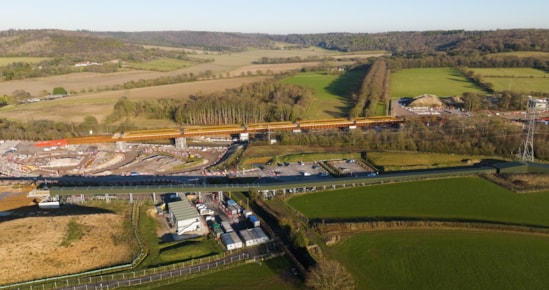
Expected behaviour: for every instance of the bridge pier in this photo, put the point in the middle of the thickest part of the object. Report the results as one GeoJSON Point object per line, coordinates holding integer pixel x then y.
{"type": "Point", "coordinates": [181, 143]}
{"type": "Point", "coordinates": [121, 146]}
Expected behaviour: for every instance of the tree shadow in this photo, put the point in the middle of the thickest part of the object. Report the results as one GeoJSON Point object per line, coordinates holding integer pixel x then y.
{"type": "Point", "coordinates": [344, 87]}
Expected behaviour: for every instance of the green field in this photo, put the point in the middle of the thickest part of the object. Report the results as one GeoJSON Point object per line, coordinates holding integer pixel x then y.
{"type": "Point", "coordinates": [161, 64]}
{"type": "Point", "coordinates": [407, 160]}
{"type": "Point", "coordinates": [331, 92]}
{"type": "Point", "coordinates": [271, 274]}
{"type": "Point", "coordinates": [445, 260]}
{"type": "Point", "coordinates": [442, 82]}
{"type": "Point", "coordinates": [25, 59]}
{"type": "Point", "coordinates": [468, 199]}
{"type": "Point", "coordinates": [515, 79]}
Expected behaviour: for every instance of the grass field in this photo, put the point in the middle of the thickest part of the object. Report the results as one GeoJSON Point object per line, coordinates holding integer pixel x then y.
{"type": "Point", "coordinates": [442, 82]}
{"type": "Point", "coordinates": [299, 153]}
{"type": "Point", "coordinates": [332, 92]}
{"type": "Point", "coordinates": [161, 64]}
{"type": "Point", "coordinates": [445, 260]}
{"type": "Point", "coordinates": [25, 59]}
{"type": "Point", "coordinates": [393, 161]}
{"type": "Point", "coordinates": [188, 250]}
{"type": "Point", "coordinates": [515, 79]}
{"type": "Point", "coordinates": [468, 198]}
{"type": "Point", "coordinates": [271, 274]}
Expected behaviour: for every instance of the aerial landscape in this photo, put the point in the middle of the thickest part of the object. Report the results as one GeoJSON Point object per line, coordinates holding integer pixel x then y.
{"type": "Point", "coordinates": [274, 145]}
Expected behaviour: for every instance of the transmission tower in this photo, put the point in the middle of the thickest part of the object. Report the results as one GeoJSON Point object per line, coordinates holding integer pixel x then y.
{"type": "Point", "coordinates": [528, 151]}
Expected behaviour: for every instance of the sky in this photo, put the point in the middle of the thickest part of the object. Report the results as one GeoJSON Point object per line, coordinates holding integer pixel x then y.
{"type": "Point", "coordinates": [274, 16]}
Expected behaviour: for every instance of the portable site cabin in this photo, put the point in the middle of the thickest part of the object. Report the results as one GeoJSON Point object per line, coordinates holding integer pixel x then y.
{"type": "Point", "coordinates": [227, 226]}
{"type": "Point", "coordinates": [231, 241]}
{"type": "Point", "coordinates": [254, 220]}
{"type": "Point", "coordinates": [184, 216]}
{"type": "Point", "coordinates": [253, 236]}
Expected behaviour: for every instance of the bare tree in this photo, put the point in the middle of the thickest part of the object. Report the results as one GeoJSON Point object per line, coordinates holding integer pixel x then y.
{"type": "Point", "coordinates": [330, 275]}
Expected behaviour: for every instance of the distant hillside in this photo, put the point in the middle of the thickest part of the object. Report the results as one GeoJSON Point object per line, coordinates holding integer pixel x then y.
{"type": "Point", "coordinates": [216, 41]}
{"type": "Point", "coordinates": [453, 41]}
{"type": "Point", "coordinates": [59, 44]}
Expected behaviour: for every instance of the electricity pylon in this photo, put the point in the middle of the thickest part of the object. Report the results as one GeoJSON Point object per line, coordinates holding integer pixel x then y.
{"type": "Point", "coordinates": [528, 151]}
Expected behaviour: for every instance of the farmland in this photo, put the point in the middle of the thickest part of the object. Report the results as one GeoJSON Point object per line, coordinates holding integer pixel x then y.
{"type": "Point", "coordinates": [460, 199]}
{"type": "Point", "coordinates": [91, 93]}
{"type": "Point", "coordinates": [332, 92]}
{"type": "Point", "coordinates": [442, 82]}
{"type": "Point", "coordinates": [429, 259]}
{"type": "Point", "coordinates": [162, 64]}
{"type": "Point", "coordinates": [394, 161]}
{"type": "Point", "coordinates": [9, 60]}
{"type": "Point", "coordinates": [434, 256]}
{"type": "Point", "coordinates": [515, 79]}
{"type": "Point", "coordinates": [75, 108]}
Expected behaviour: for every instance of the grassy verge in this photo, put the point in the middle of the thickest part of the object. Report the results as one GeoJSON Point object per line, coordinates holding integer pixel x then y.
{"type": "Point", "coordinates": [270, 274]}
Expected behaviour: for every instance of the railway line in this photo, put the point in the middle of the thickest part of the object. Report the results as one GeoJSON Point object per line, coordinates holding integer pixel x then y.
{"type": "Point", "coordinates": [226, 130]}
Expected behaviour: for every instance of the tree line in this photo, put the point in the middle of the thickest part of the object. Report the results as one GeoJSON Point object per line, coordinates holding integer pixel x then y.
{"type": "Point", "coordinates": [251, 103]}
{"type": "Point", "coordinates": [374, 90]}
{"type": "Point", "coordinates": [475, 136]}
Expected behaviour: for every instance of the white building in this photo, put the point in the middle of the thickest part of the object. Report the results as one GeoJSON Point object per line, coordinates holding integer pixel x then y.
{"type": "Point", "coordinates": [184, 216]}
{"type": "Point", "coordinates": [253, 236]}
{"type": "Point", "coordinates": [231, 241]}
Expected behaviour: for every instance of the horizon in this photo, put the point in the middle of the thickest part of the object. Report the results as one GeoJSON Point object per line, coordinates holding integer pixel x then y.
{"type": "Point", "coordinates": [281, 18]}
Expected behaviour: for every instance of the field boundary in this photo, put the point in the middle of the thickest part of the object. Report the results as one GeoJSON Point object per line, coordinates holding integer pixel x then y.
{"type": "Point", "coordinates": [334, 232]}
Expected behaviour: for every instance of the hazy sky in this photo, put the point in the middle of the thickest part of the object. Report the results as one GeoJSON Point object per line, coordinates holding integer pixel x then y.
{"type": "Point", "coordinates": [274, 16]}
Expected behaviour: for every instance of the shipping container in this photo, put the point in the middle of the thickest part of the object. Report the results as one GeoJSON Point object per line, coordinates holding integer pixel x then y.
{"type": "Point", "coordinates": [254, 220]}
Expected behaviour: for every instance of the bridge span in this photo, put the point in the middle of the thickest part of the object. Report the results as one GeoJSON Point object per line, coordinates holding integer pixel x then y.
{"type": "Point", "coordinates": [225, 130]}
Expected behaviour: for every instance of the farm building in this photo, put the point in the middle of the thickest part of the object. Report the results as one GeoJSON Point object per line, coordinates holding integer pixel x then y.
{"type": "Point", "coordinates": [184, 216]}
{"type": "Point", "coordinates": [231, 241]}
{"type": "Point", "coordinates": [253, 236]}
